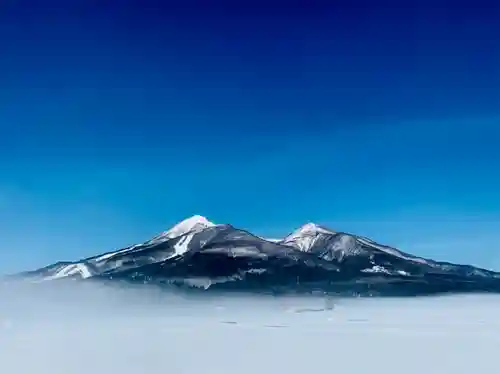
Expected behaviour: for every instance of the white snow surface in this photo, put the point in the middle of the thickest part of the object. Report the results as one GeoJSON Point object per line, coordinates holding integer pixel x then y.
{"type": "Point", "coordinates": [137, 331]}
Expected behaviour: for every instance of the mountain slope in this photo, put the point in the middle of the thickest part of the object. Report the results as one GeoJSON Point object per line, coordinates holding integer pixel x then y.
{"type": "Point", "coordinates": [199, 253]}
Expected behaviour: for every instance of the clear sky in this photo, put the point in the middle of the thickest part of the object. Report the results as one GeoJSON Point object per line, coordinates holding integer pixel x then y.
{"type": "Point", "coordinates": [119, 119]}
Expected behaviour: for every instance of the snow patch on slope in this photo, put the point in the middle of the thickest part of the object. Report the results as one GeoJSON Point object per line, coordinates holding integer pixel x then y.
{"type": "Point", "coordinates": [73, 269]}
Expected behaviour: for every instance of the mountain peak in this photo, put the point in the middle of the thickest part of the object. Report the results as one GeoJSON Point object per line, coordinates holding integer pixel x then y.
{"type": "Point", "coordinates": [312, 228]}
{"type": "Point", "coordinates": [193, 223]}
{"type": "Point", "coordinates": [189, 224]}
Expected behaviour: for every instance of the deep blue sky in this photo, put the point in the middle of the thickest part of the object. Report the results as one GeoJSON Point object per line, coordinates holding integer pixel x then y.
{"type": "Point", "coordinates": [119, 118]}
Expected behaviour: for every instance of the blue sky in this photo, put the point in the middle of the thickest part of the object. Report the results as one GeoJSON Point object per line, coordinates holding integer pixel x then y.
{"type": "Point", "coordinates": [118, 120]}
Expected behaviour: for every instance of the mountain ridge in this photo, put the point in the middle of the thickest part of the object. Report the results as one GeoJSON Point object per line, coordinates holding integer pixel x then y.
{"type": "Point", "coordinates": [198, 252]}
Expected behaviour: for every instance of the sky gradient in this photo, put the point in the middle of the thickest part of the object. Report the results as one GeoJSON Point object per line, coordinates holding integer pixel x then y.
{"type": "Point", "coordinates": [119, 119]}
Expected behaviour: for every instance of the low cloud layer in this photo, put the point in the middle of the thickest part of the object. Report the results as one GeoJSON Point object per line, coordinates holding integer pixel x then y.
{"type": "Point", "coordinates": [93, 329]}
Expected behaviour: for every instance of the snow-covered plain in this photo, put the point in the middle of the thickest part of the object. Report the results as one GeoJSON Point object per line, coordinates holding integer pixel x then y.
{"type": "Point", "coordinates": [144, 331]}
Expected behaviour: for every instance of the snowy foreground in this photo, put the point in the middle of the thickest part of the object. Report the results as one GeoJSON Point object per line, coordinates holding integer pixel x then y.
{"type": "Point", "coordinates": [135, 332]}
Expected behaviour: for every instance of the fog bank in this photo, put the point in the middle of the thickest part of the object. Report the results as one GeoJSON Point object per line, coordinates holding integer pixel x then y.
{"type": "Point", "coordinates": [91, 329]}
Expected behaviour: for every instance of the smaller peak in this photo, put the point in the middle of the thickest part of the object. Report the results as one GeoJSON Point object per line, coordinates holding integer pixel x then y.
{"type": "Point", "coordinates": [196, 219]}
{"type": "Point", "coordinates": [309, 229]}
{"type": "Point", "coordinates": [312, 227]}
{"type": "Point", "coordinates": [305, 237]}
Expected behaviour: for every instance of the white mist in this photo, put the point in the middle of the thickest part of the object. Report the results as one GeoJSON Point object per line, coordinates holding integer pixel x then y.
{"type": "Point", "coordinates": [96, 330]}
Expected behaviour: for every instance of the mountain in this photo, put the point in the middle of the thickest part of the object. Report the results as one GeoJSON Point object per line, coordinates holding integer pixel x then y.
{"type": "Point", "coordinates": [199, 254]}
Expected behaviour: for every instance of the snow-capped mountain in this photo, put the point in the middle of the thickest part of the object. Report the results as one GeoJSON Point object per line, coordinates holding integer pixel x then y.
{"type": "Point", "coordinates": [197, 252]}
{"type": "Point", "coordinates": [193, 224]}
